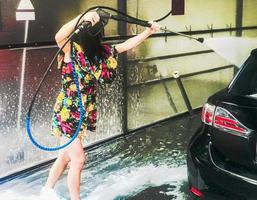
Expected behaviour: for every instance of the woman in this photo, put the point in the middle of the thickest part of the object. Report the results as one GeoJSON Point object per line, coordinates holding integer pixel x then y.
{"type": "Point", "coordinates": [96, 65]}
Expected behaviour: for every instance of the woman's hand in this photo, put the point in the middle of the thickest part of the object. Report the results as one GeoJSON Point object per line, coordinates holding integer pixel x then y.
{"type": "Point", "coordinates": [92, 17]}
{"type": "Point", "coordinates": [155, 27]}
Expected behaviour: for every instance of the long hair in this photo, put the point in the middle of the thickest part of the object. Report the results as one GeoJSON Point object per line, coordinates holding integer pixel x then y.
{"type": "Point", "coordinates": [91, 45]}
{"type": "Point", "coordinates": [60, 59]}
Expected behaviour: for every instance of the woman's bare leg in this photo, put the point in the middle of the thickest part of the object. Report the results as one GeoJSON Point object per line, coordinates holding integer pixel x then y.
{"type": "Point", "coordinates": [58, 167]}
{"type": "Point", "coordinates": [77, 159]}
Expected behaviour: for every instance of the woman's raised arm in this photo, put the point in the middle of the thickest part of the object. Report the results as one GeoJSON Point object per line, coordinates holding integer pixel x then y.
{"type": "Point", "coordinates": [136, 40]}
{"type": "Point", "coordinates": [62, 35]}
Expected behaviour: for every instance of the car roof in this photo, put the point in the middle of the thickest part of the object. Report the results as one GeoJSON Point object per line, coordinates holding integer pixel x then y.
{"type": "Point", "coordinates": [254, 51]}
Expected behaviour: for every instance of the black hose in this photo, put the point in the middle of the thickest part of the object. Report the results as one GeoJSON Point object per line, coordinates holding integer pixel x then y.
{"type": "Point", "coordinates": [123, 17]}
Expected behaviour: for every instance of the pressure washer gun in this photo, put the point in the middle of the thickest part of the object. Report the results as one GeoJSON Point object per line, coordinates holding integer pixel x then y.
{"type": "Point", "coordinates": [105, 15]}
{"type": "Point", "coordinates": [147, 24]}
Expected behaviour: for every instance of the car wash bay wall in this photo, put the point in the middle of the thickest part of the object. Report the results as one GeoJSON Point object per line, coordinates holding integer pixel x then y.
{"type": "Point", "coordinates": [153, 93]}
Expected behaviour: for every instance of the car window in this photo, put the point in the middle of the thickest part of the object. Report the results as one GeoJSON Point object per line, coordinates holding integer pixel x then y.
{"type": "Point", "coordinates": [245, 82]}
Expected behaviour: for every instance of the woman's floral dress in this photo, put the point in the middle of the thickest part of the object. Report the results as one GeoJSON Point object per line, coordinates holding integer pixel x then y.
{"type": "Point", "coordinates": [66, 113]}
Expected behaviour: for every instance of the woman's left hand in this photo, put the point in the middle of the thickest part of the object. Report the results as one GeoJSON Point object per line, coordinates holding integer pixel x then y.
{"type": "Point", "coordinates": [155, 27]}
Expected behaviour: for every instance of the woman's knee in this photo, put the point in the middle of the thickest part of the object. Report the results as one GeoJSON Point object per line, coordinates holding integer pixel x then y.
{"type": "Point", "coordinates": [63, 156]}
{"type": "Point", "coordinates": [76, 153]}
{"type": "Point", "coordinates": [79, 160]}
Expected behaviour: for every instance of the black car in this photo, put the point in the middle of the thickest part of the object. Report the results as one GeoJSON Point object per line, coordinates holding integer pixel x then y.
{"type": "Point", "coordinates": [222, 159]}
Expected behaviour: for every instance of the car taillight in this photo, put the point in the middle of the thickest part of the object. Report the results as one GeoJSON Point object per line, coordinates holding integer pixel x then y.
{"type": "Point", "coordinates": [225, 120]}
{"type": "Point", "coordinates": [207, 113]}
{"type": "Point", "coordinates": [222, 119]}
{"type": "Point", "coordinates": [196, 192]}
